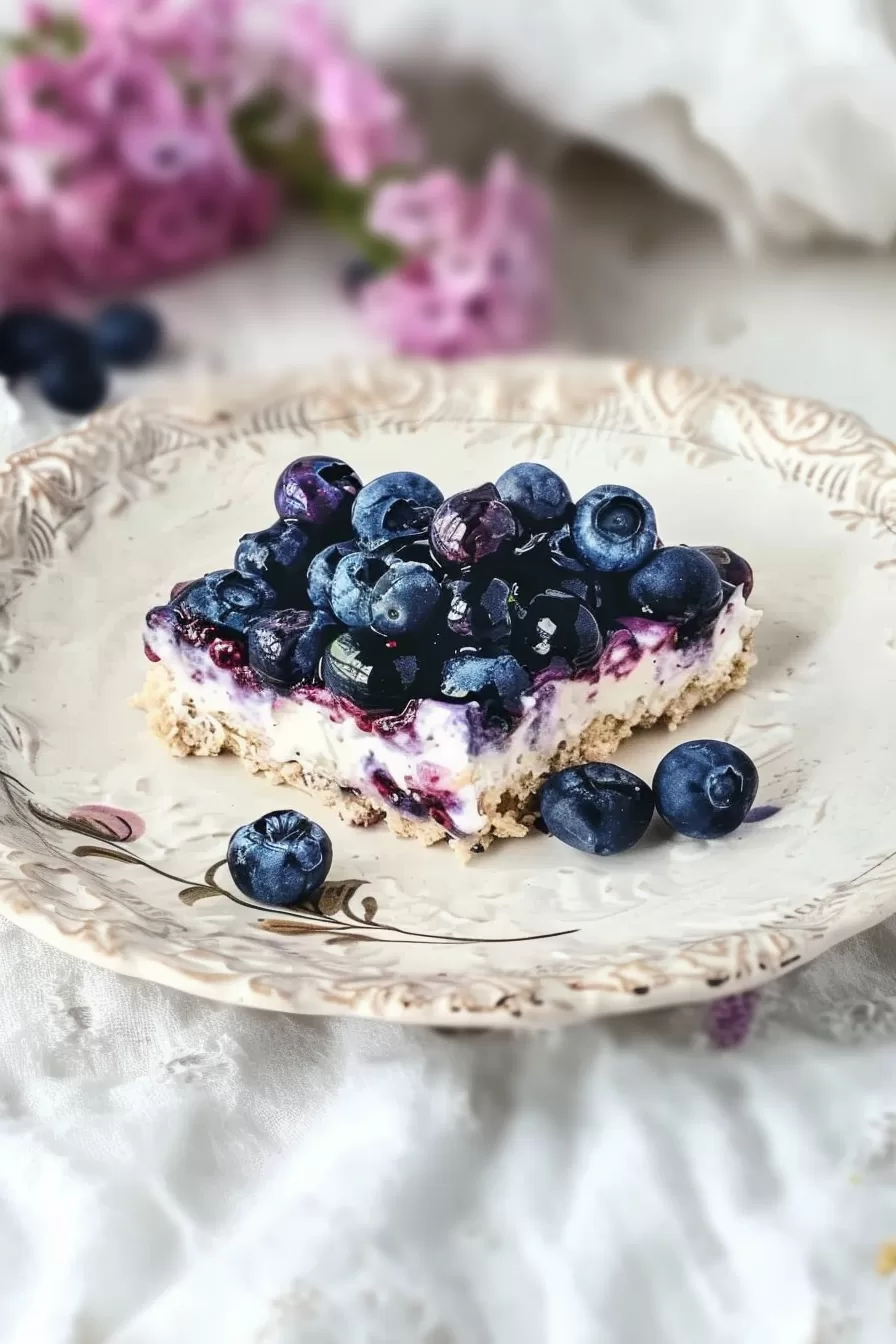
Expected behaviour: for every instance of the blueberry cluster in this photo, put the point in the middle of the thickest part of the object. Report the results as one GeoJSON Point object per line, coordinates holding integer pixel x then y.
{"type": "Point", "coordinates": [68, 359]}
{"type": "Point", "coordinates": [389, 592]}
{"type": "Point", "coordinates": [702, 789]}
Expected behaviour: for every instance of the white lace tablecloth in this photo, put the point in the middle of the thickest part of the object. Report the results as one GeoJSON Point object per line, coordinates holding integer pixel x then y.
{"type": "Point", "coordinates": [177, 1172]}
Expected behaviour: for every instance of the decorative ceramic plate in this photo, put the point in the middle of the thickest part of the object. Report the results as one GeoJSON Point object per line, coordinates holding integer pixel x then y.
{"type": "Point", "coordinates": [113, 851]}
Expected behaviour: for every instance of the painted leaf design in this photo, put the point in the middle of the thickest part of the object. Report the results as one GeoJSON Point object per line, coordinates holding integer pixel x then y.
{"type": "Point", "coordinates": [190, 895]}
{"type": "Point", "coordinates": [370, 908]}
{"type": "Point", "coordinates": [335, 896]}
{"type": "Point", "coordinates": [94, 852]}
{"type": "Point", "coordinates": [287, 926]}
{"type": "Point", "coordinates": [211, 873]}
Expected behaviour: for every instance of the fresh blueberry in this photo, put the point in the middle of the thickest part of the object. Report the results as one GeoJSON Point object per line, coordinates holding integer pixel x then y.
{"type": "Point", "coordinates": [678, 583]}
{"type": "Point", "coordinates": [316, 490]}
{"type": "Point", "coordinates": [227, 598]}
{"type": "Point", "coordinates": [351, 592]}
{"type": "Point", "coordinates": [557, 625]}
{"type": "Point", "coordinates": [733, 568]}
{"type": "Point", "coordinates": [537, 496]}
{"type": "Point", "coordinates": [404, 599]}
{"type": "Point", "coordinates": [128, 334]}
{"type": "Point", "coordinates": [479, 610]}
{"type": "Point", "coordinates": [285, 648]}
{"type": "Point", "coordinates": [394, 507]}
{"type": "Point", "coordinates": [598, 808]}
{"type": "Point", "coordinates": [29, 336]}
{"type": "Point", "coordinates": [496, 682]}
{"type": "Point", "coordinates": [552, 562]}
{"type": "Point", "coordinates": [471, 527]}
{"type": "Point", "coordinates": [614, 528]}
{"type": "Point", "coordinates": [355, 275]}
{"type": "Point", "coordinates": [322, 570]}
{"type": "Point", "coordinates": [281, 859]}
{"type": "Point", "coordinates": [705, 789]}
{"type": "Point", "coordinates": [279, 554]}
{"type": "Point", "coordinates": [361, 667]}
{"type": "Point", "coordinates": [73, 379]}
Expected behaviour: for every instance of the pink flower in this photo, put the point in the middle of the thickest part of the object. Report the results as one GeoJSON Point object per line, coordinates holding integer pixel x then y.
{"type": "Point", "coordinates": [312, 37]}
{"type": "Point", "coordinates": [115, 81]}
{"type": "Point", "coordinates": [40, 106]}
{"type": "Point", "coordinates": [420, 214]}
{"type": "Point", "coordinates": [165, 150]}
{"type": "Point", "coordinates": [256, 209]}
{"type": "Point", "coordinates": [186, 224]}
{"type": "Point", "coordinates": [364, 124]}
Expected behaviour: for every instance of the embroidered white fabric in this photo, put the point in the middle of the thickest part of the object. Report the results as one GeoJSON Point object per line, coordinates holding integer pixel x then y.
{"type": "Point", "coordinates": [177, 1172]}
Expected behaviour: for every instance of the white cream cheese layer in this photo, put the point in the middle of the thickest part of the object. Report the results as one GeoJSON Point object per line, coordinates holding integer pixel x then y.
{"type": "Point", "coordinates": [441, 758]}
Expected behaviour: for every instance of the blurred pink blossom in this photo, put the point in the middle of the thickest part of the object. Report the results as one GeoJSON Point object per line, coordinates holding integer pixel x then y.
{"type": "Point", "coordinates": [418, 214]}
{"type": "Point", "coordinates": [363, 123]}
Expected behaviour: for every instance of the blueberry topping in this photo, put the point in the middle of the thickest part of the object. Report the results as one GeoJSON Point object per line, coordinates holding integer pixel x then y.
{"type": "Point", "coordinates": [472, 526]}
{"type": "Point", "coordinates": [285, 648]}
{"type": "Point", "coordinates": [557, 625]}
{"type": "Point", "coordinates": [228, 599]}
{"type": "Point", "coordinates": [614, 528]}
{"type": "Point", "coordinates": [599, 808]}
{"type": "Point", "coordinates": [361, 667]}
{"type": "Point", "coordinates": [227, 653]}
{"type": "Point", "coordinates": [678, 583]}
{"type": "Point", "coordinates": [73, 379]}
{"type": "Point", "coordinates": [479, 610]}
{"type": "Point", "coordinates": [733, 568]}
{"type": "Point", "coordinates": [351, 592]}
{"type": "Point", "coordinates": [395, 507]}
{"type": "Point", "coordinates": [537, 496]}
{"type": "Point", "coordinates": [322, 570]}
{"type": "Point", "coordinates": [404, 599]}
{"type": "Point", "coordinates": [128, 334]}
{"type": "Point", "coordinates": [497, 682]}
{"type": "Point", "coordinates": [279, 554]}
{"type": "Point", "coordinates": [29, 336]}
{"type": "Point", "coordinates": [355, 275]}
{"type": "Point", "coordinates": [705, 789]}
{"type": "Point", "coordinates": [317, 490]}
{"type": "Point", "coordinates": [562, 551]}
{"type": "Point", "coordinates": [280, 859]}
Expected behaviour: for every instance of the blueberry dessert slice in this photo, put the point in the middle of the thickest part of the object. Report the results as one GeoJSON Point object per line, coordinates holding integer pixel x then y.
{"type": "Point", "coordinates": [286, 647]}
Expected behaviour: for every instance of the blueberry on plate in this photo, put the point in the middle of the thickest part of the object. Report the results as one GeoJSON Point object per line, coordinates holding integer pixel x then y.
{"type": "Point", "coordinates": [285, 647]}
{"type": "Point", "coordinates": [227, 598]}
{"type": "Point", "coordinates": [404, 599]}
{"type": "Point", "coordinates": [351, 592]}
{"type": "Point", "coordinates": [678, 583]}
{"type": "Point", "coordinates": [471, 527]}
{"type": "Point", "coordinates": [479, 610]}
{"type": "Point", "coordinates": [317, 490]}
{"type": "Point", "coordinates": [497, 682]}
{"type": "Point", "coordinates": [598, 808]}
{"type": "Point", "coordinates": [29, 336]}
{"type": "Point", "coordinates": [614, 528]}
{"type": "Point", "coordinates": [558, 625]}
{"type": "Point", "coordinates": [280, 859]}
{"type": "Point", "coordinates": [279, 554]}
{"type": "Point", "coordinates": [127, 334]}
{"type": "Point", "coordinates": [73, 379]}
{"type": "Point", "coordinates": [395, 507]}
{"type": "Point", "coordinates": [705, 789]}
{"type": "Point", "coordinates": [321, 572]}
{"type": "Point", "coordinates": [355, 275]}
{"type": "Point", "coordinates": [733, 568]}
{"type": "Point", "coordinates": [537, 496]}
{"type": "Point", "coordinates": [360, 667]}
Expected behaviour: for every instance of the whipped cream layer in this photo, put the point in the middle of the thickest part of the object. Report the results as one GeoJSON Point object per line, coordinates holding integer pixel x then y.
{"type": "Point", "coordinates": [437, 760]}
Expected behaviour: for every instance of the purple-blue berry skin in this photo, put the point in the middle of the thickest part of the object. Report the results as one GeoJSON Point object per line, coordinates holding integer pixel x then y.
{"type": "Point", "coordinates": [279, 554]}
{"type": "Point", "coordinates": [704, 789]}
{"type": "Point", "coordinates": [394, 508]}
{"type": "Point", "coordinates": [497, 682]}
{"type": "Point", "coordinates": [537, 496]}
{"type": "Point", "coordinates": [319, 491]}
{"type": "Point", "coordinates": [472, 527]}
{"type": "Point", "coordinates": [405, 599]}
{"type": "Point", "coordinates": [598, 808]}
{"type": "Point", "coordinates": [557, 625]}
{"type": "Point", "coordinates": [322, 570]}
{"type": "Point", "coordinates": [479, 610]}
{"type": "Point", "coordinates": [286, 647]}
{"type": "Point", "coordinates": [29, 336]}
{"type": "Point", "coordinates": [359, 666]}
{"type": "Point", "coordinates": [227, 598]}
{"type": "Point", "coordinates": [614, 529]}
{"type": "Point", "coordinates": [73, 379]}
{"type": "Point", "coordinates": [351, 592]}
{"type": "Point", "coordinates": [733, 568]}
{"type": "Point", "coordinates": [127, 334]}
{"type": "Point", "coordinates": [355, 275]}
{"type": "Point", "coordinates": [281, 859]}
{"type": "Point", "coordinates": [677, 583]}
